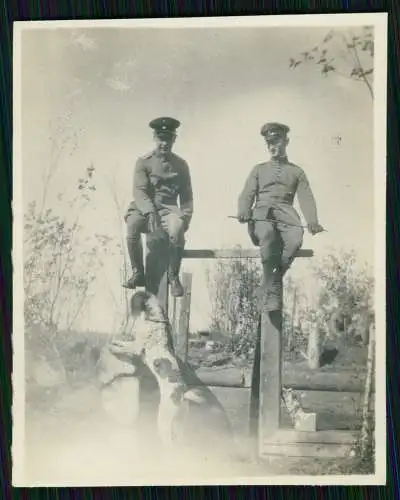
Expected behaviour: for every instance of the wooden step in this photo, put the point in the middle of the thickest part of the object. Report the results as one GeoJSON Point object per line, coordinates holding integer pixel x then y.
{"type": "Point", "coordinates": [322, 444]}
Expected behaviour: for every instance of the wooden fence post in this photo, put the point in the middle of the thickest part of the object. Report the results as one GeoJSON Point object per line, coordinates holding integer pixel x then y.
{"type": "Point", "coordinates": [183, 318]}
{"type": "Point", "coordinates": [255, 388]}
{"type": "Point", "coordinates": [270, 373]}
{"type": "Point", "coordinates": [157, 260]}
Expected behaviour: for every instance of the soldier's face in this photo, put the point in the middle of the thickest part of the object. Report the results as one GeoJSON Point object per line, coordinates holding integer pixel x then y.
{"type": "Point", "coordinates": [277, 148]}
{"type": "Point", "coordinates": [164, 144]}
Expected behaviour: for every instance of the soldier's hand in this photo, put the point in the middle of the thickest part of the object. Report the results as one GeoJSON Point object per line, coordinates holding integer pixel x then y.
{"type": "Point", "coordinates": [315, 228]}
{"type": "Point", "coordinates": [243, 218]}
{"type": "Point", "coordinates": [186, 222]}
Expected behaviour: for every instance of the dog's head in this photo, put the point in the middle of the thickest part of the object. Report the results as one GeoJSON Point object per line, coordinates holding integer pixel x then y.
{"type": "Point", "coordinates": [138, 303]}
{"type": "Point", "coordinates": [146, 305]}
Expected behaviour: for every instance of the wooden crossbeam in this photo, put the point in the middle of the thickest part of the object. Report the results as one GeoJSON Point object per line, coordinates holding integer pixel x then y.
{"type": "Point", "coordinates": [231, 253]}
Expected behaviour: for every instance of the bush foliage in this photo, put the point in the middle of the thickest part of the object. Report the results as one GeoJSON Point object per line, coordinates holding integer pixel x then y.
{"type": "Point", "coordinates": [342, 311]}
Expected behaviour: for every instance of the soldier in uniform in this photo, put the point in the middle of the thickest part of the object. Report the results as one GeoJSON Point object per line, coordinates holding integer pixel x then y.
{"type": "Point", "coordinates": [273, 223]}
{"type": "Point", "coordinates": [160, 178]}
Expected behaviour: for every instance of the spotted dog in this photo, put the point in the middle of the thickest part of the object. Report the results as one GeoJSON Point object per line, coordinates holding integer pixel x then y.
{"type": "Point", "coordinates": [151, 342]}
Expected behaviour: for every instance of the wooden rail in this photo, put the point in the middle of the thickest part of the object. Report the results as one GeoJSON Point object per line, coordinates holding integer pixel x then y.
{"type": "Point", "coordinates": [232, 253]}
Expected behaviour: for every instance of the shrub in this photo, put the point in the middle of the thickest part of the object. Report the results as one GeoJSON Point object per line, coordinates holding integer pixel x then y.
{"type": "Point", "coordinates": [343, 308]}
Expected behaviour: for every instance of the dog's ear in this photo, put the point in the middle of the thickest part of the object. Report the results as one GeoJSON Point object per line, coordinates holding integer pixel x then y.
{"type": "Point", "coordinates": [138, 303]}
{"type": "Point", "coordinates": [154, 311]}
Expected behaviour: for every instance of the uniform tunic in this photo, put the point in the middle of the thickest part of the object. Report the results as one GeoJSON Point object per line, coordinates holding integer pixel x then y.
{"type": "Point", "coordinates": [272, 186]}
{"type": "Point", "coordinates": [158, 183]}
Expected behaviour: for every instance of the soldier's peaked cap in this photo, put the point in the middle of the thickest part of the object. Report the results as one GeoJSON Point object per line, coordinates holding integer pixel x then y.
{"type": "Point", "coordinates": [273, 130]}
{"type": "Point", "coordinates": [164, 124]}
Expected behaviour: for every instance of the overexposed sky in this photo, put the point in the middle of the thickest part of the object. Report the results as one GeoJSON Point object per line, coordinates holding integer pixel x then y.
{"type": "Point", "coordinates": [222, 84]}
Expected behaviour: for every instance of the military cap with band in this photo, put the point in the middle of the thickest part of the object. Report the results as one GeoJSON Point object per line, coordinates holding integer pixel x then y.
{"type": "Point", "coordinates": [273, 130]}
{"type": "Point", "coordinates": [164, 125]}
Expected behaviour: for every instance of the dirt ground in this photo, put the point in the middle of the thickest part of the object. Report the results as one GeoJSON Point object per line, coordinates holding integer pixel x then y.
{"type": "Point", "coordinates": [68, 441]}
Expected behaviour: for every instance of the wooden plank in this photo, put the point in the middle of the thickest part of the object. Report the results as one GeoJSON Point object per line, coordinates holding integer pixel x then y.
{"type": "Point", "coordinates": [351, 389]}
{"type": "Point", "coordinates": [222, 378]}
{"type": "Point", "coordinates": [282, 436]}
{"type": "Point", "coordinates": [270, 373]}
{"type": "Point", "coordinates": [311, 450]}
{"type": "Point", "coordinates": [253, 253]}
{"type": "Point", "coordinates": [320, 444]}
{"type": "Point", "coordinates": [219, 383]}
{"type": "Point", "coordinates": [316, 387]}
{"type": "Point", "coordinates": [304, 380]}
{"type": "Point", "coordinates": [230, 381]}
{"type": "Point", "coordinates": [183, 318]}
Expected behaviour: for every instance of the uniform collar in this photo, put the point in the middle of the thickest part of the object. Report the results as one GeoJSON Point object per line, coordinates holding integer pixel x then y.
{"type": "Point", "coordinates": [281, 160]}
{"type": "Point", "coordinates": [167, 157]}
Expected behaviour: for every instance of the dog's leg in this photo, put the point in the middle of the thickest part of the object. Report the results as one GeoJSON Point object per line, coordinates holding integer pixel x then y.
{"type": "Point", "coordinates": [172, 388]}
{"type": "Point", "coordinates": [167, 413]}
{"type": "Point", "coordinates": [166, 371]}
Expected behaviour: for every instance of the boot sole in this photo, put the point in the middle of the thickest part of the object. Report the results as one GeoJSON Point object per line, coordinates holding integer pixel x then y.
{"type": "Point", "coordinates": [130, 287]}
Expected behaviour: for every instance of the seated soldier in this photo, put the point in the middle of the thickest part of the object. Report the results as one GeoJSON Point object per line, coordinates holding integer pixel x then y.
{"type": "Point", "coordinates": [160, 178]}
{"type": "Point", "coordinates": [273, 223]}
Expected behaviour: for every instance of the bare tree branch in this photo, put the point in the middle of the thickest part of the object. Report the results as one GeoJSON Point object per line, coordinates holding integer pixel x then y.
{"type": "Point", "coordinates": [115, 198]}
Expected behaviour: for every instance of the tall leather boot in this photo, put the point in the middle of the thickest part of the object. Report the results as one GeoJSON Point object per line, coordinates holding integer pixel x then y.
{"type": "Point", "coordinates": [271, 289]}
{"type": "Point", "coordinates": [175, 259]}
{"type": "Point", "coordinates": [287, 261]}
{"type": "Point", "coordinates": [135, 251]}
{"type": "Point", "coordinates": [271, 298]}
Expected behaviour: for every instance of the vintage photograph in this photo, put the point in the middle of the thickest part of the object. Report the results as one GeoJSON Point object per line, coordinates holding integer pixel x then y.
{"type": "Point", "coordinates": [199, 251]}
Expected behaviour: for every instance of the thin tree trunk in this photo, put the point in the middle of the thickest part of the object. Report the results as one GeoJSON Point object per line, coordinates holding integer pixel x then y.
{"type": "Point", "coordinates": [366, 421]}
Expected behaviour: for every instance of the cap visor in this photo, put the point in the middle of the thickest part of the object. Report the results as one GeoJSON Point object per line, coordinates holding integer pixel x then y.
{"type": "Point", "coordinates": [273, 140]}
{"type": "Point", "coordinates": [165, 134]}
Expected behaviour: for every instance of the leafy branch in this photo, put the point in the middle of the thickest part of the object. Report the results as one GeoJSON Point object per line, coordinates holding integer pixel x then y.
{"type": "Point", "coordinates": [356, 50]}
